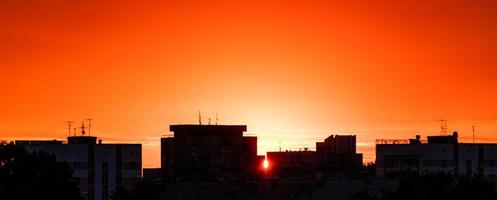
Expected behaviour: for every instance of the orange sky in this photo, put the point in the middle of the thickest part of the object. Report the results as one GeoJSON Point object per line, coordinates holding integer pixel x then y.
{"type": "Point", "coordinates": [293, 71]}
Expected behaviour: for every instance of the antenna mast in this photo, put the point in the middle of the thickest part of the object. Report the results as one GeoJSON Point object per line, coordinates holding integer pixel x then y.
{"type": "Point", "coordinates": [89, 126]}
{"type": "Point", "coordinates": [83, 128]}
{"type": "Point", "coordinates": [199, 118]}
{"type": "Point", "coordinates": [443, 127]}
{"type": "Point", "coordinates": [69, 123]}
{"type": "Point", "coordinates": [216, 118]}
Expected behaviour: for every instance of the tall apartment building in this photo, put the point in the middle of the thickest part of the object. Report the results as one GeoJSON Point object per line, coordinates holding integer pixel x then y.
{"type": "Point", "coordinates": [99, 168]}
{"type": "Point", "coordinates": [438, 154]}
{"type": "Point", "coordinates": [208, 152]}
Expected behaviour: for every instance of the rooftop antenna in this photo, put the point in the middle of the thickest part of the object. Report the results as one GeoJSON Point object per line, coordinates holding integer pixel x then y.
{"type": "Point", "coordinates": [83, 128]}
{"type": "Point", "coordinates": [473, 134]}
{"type": "Point", "coordinates": [279, 142]}
{"type": "Point", "coordinates": [443, 127]}
{"type": "Point", "coordinates": [74, 132]}
{"type": "Point", "coordinates": [217, 119]}
{"type": "Point", "coordinates": [209, 121]}
{"type": "Point", "coordinates": [69, 124]}
{"type": "Point", "coordinates": [89, 125]}
{"type": "Point", "coordinates": [199, 118]}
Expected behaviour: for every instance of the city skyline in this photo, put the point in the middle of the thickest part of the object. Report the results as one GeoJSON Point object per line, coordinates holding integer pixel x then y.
{"type": "Point", "coordinates": [294, 73]}
{"type": "Point", "coordinates": [366, 148]}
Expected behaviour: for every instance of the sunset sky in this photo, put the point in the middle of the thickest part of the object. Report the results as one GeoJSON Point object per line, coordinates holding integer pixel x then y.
{"type": "Point", "coordinates": [294, 71]}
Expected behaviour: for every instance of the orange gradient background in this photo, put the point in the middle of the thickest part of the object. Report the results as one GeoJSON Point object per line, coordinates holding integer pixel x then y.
{"type": "Point", "coordinates": [294, 71]}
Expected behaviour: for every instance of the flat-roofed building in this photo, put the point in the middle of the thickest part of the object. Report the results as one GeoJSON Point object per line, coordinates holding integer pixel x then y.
{"type": "Point", "coordinates": [338, 157]}
{"type": "Point", "coordinates": [208, 152]}
{"type": "Point", "coordinates": [99, 168]}
{"type": "Point", "coordinates": [287, 164]}
{"type": "Point", "coordinates": [439, 154]}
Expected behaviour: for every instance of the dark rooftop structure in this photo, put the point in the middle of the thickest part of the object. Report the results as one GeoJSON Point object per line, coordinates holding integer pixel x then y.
{"type": "Point", "coordinates": [208, 152]}
{"type": "Point", "coordinates": [203, 130]}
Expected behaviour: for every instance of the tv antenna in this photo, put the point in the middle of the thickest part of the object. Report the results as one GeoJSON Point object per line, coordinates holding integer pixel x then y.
{"type": "Point", "coordinates": [89, 126]}
{"type": "Point", "coordinates": [69, 124]}
{"type": "Point", "coordinates": [443, 127]}
{"type": "Point", "coordinates": [83, 128]}
{"type": "Point", "coordinates": [199, 118]}
{"type": "Point", "coordinates": [217, 118]}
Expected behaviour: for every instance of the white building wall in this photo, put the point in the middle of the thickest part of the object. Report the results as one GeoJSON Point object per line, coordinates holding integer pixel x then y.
{"type": "Point", "coordinates": [104, 153]}
{"type": "Point", "coordinates": [433, 157]}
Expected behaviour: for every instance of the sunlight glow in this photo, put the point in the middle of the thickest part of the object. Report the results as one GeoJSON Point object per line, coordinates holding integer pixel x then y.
{"type": "Point", "coordinates": [265, 164]}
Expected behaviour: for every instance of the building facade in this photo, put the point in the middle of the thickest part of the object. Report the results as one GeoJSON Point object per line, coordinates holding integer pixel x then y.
{"type": "Point", "coordinates": [286, 164]}
{"type": "Point", "coordinates": [208, 152]}
{"type": "Point", "coordinates": [99, 169]}
{"type": "Point", "coordinates": [439, 154]}
{"type": "Point", "coordinates": [337, 156]}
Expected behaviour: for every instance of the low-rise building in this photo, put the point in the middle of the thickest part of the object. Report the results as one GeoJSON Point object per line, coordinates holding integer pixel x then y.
{"type": "Point", "coordinates": [439, 154]}
{"type": "Point", "coordinates": [99, 168]}
{"type": "Point", "coordinates": [337, 156]}
{"type": "Point", "coordinates": [285, 164]}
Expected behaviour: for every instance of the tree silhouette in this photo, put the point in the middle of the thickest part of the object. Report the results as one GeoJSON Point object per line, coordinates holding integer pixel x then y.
{"type": "Point", "coordinates": [37, 175]}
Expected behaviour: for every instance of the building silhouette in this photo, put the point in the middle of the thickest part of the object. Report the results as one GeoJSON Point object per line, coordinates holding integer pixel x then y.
{"type": "Point", "coordinates": [439, 154]}
{"type": "Point", "coordinates": [335, 157]}
{"type": "Point", "coordinates": [288, 164]}
{"type": "Point", "coordinates": [99, 168]}
{"type": "Point", "coordinates": [208, 152]}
